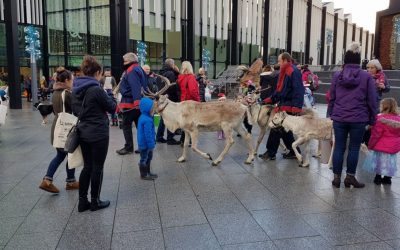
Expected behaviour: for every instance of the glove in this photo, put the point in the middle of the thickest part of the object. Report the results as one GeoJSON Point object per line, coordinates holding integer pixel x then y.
{"type": "Point", "coordinates": [267, 100]}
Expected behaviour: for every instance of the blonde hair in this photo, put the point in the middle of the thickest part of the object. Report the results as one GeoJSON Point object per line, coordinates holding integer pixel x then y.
{"type": "Point", "coordinates": [186, 68]}
{"type": "Point", "coordinates": [389, 106]}
{"type": "Point", "coordinates": [202, 71]}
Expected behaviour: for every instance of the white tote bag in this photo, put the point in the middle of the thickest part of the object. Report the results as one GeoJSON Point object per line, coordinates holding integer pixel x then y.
{"type": "Point", "coordinates": [64, 123]}
{"type": "Point", "coordinates": [75, 159]}
{"type": "Point", "coordinates": [3, 112]}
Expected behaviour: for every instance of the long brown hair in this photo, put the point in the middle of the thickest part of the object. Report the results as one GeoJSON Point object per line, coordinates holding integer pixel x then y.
{"type": "Point", "coordinates": [389, 106]}
{"type": "Point", "coordinates": [90, 66]}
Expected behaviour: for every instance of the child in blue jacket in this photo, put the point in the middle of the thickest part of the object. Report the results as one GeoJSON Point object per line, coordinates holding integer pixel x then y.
{"type": "Point", "coordinates": [146, 138]}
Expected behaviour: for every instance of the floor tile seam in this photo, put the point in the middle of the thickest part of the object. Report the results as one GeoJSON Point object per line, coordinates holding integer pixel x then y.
{"type": "Point", "coordinates": [364, 242]}
{"type": "Point", "coordinates": [201, 207]}
{"type": "Point", "coordinates": [248, 212]}
{"type": "Point", "coordinates": [23, 221]}
{"type": "Point", "coordinates": [116, 201]}
{"type": "Point", "coordinates": [387, 211]}
{"type": "Point", "coordinates": [159, 216]}
{"type": "Point", "coordinates": [252, 242]}
{"type": "Point", "coordinates": [66, 224]}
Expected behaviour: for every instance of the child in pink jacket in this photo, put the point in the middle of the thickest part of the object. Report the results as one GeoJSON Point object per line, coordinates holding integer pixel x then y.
{"type": "Point", "coordinates": [384, 143]}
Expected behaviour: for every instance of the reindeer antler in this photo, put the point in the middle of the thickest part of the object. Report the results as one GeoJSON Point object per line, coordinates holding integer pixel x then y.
{"type": "Point", "coordinates": [168, 84]}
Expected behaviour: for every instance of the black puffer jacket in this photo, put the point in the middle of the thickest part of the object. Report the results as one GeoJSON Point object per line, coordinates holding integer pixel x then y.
{"type": "Point", "coordinates": [94, 123]}
{"type": "Point", "coordinates": [172, 75]}
{"type": "Point", "coordinates": [202, 87]}
{"type": "Point", "coordinates": [268, 80]}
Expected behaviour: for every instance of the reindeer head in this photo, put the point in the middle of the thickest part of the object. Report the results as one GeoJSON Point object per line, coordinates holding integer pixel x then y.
{"type": "Point", "coordinates": [245, 73]}
{"type": "Point", "coordinates": [160, 100]}
{"type": "Point", "coordinates": [277, 120]}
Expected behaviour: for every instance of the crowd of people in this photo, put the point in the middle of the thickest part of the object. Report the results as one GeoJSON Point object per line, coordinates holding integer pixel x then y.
{"type": "Point", "coordinates": [354, 98]}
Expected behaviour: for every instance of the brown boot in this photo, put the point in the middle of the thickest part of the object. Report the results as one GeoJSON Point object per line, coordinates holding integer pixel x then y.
{"type": "Point", "coordinates": [47, 185]}
{"type": "Point", "coordinates": [352, 181]}
{"type": "Point", "coordinates": [72, 185]}
{"type": "Point", "coordinates": [336, 181]}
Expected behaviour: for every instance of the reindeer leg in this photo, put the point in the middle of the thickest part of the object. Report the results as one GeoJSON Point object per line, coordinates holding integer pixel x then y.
{"type": "Point", "coordinates": [306, 159]}
{"type": "Point", "coordinates": [194, 136]}
{"type": "Point", "coordinates": [228, 144]}
{"type": "Point", "coordinates": [318, 153]}
{"type": "Point", "coordinates": [185, 146]}
{"type": "Point", "coordinates": [249, 141]}
{"type": "Point", "coordinates": [297, 142]}
{"type": "Point", "coordinates": [330, 157]}
{"type": "Point", "coordinates": [263, 129]}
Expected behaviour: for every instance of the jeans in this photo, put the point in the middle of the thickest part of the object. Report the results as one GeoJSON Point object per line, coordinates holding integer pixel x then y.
{"type": "Point", "coordinates": [55, 163]}
{"type": "Point", "coordinates": [342, 131]}
{"type": "Point", "coordinates": [161, 129]}
{"type": "Point", "coordinates": [94, 155]}
{"type": "Point", "coordinates": [146, 155]}
{"type": "Point", "coordinates": [128, 118]}
{"type": "Point", "coordinates": [274, 140]}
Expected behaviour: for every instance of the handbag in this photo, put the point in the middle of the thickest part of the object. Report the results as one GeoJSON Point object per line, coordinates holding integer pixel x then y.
{"type": "Point", "coordinates": [72, 141]}
{"type": "Point", "coordinates": [3, 112]}
{"type": "Point", "coordinates": [75, 159]}
{"type": "Point", "coordinates": [64, 123]}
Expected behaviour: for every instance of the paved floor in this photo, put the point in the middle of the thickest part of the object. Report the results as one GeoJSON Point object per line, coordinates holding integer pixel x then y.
{"type": "Point", "coordinates": [273, 205]}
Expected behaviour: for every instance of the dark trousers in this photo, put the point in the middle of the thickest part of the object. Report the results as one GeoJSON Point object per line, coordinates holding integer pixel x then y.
{"type": "Point", "coordinates": [146, 155]}
{"type": "Point", "coordinates": [28, 94]}
{"type": "Point", "coordinates": [94, 155]}
{"type": "Point", "coordinates": [342, 131]}
{"type": "Point", "coordinates": [247, 125]}
{"type": "Point", "coordinates": [56, 162]}
{"type": "Point", "coordinates": [128, 117]}
{"type": "Point", "coordinates": [274, 139]}
{"type": "Point", "coordinates": [161, 129]}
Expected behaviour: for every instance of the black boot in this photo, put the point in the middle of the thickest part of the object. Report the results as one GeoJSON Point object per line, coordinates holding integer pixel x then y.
{"type": "Point", "coordinates": [83, 204]}
{"type": "Point", "coordinates": [351, 180]}
{"type": "Point", "coordinates": [145, 173]}
{"type": "Point", "coordinates": [98, 204]}
{"type": "Point", "coordinates": [378, 179]}
{"type": "Point", "coordinates": [149, 173]}
{"type": "Point", "coordinates": [387, 180]}
{"type": "Point", "coordinates": [336, 181]}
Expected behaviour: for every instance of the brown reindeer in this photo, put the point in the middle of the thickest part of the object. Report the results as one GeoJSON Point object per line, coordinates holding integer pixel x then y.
{"type": "Point", "coordinates": [195, 117]}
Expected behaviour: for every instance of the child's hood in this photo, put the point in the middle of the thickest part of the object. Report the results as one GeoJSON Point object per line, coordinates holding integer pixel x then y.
{"type": "Point", "coordinates": [392, 121]}
{"type": "Point", "coordinates": [146, 105]}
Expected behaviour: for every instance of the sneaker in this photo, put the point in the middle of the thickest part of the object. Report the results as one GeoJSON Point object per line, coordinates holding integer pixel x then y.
{"type": "Point", "coordinates": [161, 140]}
{"type": "Point", "coordinates": [173, 142]}
{"type": "Point", "coordinates": [267, 157]}
{"type": "Point", "coordinates": [378, 180]}
{"type": "Point", "coordinates": [72, 185]}
{"type": "Point", "coordinates": [137, 151]}
{"type": "Point", "coordinates": [387, 180]}
{"type": "Point", "coordinates": [47, 185]}
{"type": "Point", "coordinates": [124, 151]}
{"type": "Point", "coordinates": [149, 177]}
{"type": "Point", "coordinates": [289, 156]}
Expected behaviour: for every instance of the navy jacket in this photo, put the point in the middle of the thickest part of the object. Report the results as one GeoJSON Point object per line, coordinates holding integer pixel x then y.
{"type": "Point", "coordinates": [131, 86]}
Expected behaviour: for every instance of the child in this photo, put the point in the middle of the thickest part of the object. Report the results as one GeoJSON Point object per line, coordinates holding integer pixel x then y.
{"type": "Point", "coordinates": [384, 143]}
{"type": "Point", "coordinates": [221, 98]}
{"type": "Point", "coordinates": [146, 138]}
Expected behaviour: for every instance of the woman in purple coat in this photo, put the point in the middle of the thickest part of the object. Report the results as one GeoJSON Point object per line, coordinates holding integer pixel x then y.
{"type": "Point", "coordinates": [352, 107]}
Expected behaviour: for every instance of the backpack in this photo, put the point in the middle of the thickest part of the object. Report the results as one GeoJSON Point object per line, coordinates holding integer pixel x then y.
{"type": "Point", "coordinates": [313, 80]}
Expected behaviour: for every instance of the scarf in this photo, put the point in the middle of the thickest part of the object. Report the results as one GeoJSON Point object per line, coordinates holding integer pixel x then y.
{"type": "Point", "coordinates": [286, 69]}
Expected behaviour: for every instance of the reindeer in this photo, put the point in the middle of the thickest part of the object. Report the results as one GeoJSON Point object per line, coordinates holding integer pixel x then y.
{"type": "Point", "coordinates": [195, 117]}
{"type": "Point", "coordinates": [305, 127]}
{"type": "Point", "coordinates": [245, 73]}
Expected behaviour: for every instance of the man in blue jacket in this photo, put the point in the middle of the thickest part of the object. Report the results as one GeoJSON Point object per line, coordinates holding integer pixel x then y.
{"type": "Point", "coordinates": [132, 82]}
{"type": "Point", "coordinates": [289, 97]}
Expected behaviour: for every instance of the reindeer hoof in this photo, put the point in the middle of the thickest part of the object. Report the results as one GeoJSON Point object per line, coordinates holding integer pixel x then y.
{"type": "Point", "coordinates": [209, 157]}
{"type": "Point", "coordinates": [214, 164]}
{"type": "Point", "coordinates": [181, 159]}
{"type": "Point", "coordinates": [317, 156]}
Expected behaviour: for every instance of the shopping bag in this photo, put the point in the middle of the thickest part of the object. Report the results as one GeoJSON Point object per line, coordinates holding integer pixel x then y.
{"type": "Point", "coordinates": [3, 112]}
{"type": "Point", "coordinates": [156, 120]}
{"type": "Point", "coordinates": [75, 159]}
{"type": "Point", "coordinates": [64, 124]}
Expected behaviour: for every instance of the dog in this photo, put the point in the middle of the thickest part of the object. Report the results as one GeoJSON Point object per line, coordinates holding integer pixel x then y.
{"type": "Point", "coordinates": [44, 110]}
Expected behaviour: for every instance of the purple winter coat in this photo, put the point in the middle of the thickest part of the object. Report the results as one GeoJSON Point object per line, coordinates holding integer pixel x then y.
{"type": "Point", "coordinates": [353, 96]}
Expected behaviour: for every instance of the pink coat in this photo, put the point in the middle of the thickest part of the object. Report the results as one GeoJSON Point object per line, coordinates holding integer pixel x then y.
{"type": "Point", "coordinates": [385, 135]}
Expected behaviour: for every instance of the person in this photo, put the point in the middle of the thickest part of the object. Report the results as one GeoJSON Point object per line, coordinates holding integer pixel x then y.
{"type": "Point", "coordinates": [63, 85]}
{"type": "Point", "coordinates": [289, 97]}
{"type": "Point", "coordinates": [146, 138]}
{"type": "Point", "coordinates": [384, 143]}
{"type": "Point", "coordinates": [28, 88]}
{"type": "Point", "coordinates": [202, 80]}
{"type": "Point", "coordinates": [307, 78]}
{"type": "Point", "coordinates": [52, 81]}
{"type": "Point", "coordinates": [108, 83]}
{"type": "Point", "coordinates": [221, 98]}
{"type": "Point", "coordinates": [152, 79]}
{"type": "Point", "coordinates": [188, 87]}
{"type": "Point", "coordinates": [352, 106]}
{"type": "Point", "coordinates": [131, 85]}
{"type": "Point", "coordinates": [43, 88]}
{"type": "Point", "coordinates": [90, 102]}
{"type": "Point", "coordinates": [171, 72]}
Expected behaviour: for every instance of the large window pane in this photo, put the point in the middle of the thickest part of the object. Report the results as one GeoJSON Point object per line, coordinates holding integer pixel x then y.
{"type": "Point", "coordinates": [174, 43]}
{"type": "Point", "coordinates": [100, 30]}
{"type": "Point", "coordinates": [76, 31]}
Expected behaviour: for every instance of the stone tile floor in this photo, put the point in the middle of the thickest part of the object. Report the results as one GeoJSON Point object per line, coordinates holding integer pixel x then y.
{"type": "Point", "coordinates": [267, 205]}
